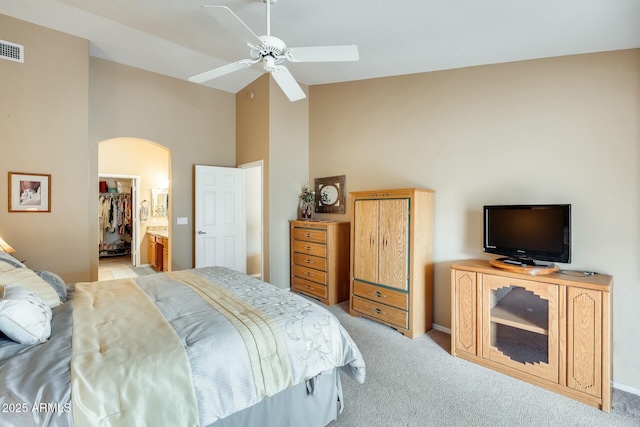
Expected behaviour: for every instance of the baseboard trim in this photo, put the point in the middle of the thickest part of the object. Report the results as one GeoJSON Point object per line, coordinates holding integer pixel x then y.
{"type": "Point", "coordinates": [441, 328]}
{"type": "Point", "coordinates": [626, 388]}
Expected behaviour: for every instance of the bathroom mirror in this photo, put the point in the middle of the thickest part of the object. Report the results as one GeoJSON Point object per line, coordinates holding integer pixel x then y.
{"type": "Point", "coordinates": [159, 201]}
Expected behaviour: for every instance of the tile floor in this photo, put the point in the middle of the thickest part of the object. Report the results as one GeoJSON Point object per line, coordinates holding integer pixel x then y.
{"type": "Point", "coordinates": [107, 265]}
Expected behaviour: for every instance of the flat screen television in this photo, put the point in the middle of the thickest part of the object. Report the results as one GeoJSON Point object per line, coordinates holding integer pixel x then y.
{"type": "Point", "coordinates": [528, 233]}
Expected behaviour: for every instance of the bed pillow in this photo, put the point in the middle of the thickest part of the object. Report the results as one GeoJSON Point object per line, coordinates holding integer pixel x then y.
{"type": "Point", "coordinates": [7, 262]}
{"type": "Point", "coordinates": [28, 279]}
{"type": "Point", "coordinates": [24, 317]}
{"type": "Point", "coordinates": [55, 282]}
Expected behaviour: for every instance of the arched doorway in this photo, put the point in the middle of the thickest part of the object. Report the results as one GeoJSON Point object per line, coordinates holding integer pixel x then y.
{"type": "Point", "coordinates": [148, 164]}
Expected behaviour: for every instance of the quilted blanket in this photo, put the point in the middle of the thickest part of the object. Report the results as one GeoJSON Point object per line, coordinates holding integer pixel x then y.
{"type": "Point", "coordinates": [197, 344]}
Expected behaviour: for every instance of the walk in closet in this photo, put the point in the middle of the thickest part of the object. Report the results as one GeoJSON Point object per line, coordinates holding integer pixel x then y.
{"type": "Point", "coordinates": [115, 217]}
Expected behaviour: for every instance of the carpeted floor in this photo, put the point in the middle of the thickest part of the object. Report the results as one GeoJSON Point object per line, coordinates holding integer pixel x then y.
{"type": "Point", "coordinates": [418, 383]}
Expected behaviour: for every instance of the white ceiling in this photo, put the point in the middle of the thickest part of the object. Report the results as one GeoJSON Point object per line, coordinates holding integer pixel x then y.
{"type": "Point", "coordinates": [177, 38]}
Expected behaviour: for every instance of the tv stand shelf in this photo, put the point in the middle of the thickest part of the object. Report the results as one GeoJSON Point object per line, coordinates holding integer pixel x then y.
{"type": "Point", "coordinates": [521, 310]}
{"type": "Point", "coordinates": [552, 330]}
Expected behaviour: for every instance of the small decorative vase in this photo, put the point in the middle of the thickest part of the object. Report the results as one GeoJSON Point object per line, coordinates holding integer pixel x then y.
{"type": "Point", "coordinates": [306, 211]}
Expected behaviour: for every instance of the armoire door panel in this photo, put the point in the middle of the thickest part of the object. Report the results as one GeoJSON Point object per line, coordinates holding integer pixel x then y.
{"type": "Point", "coordinates": [393, 250]}
{"type": "Point", "coordinates": [365, 258]}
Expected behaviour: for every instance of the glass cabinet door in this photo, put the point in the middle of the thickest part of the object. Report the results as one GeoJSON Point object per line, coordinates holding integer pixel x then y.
{"type": "Point", "coordinates": [520, 327]}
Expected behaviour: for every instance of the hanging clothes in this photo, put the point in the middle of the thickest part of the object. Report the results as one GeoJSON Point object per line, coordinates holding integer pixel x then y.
{"type": "Point", "coordinates": [114, 215]}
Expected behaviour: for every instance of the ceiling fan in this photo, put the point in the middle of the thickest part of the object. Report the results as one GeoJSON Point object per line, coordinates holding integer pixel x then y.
{"type": "Point", "coordinates": [272, 52]}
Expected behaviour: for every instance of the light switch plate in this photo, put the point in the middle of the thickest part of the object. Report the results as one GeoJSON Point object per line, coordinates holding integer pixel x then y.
{"type": "Point", "coordinates": [182, 220]}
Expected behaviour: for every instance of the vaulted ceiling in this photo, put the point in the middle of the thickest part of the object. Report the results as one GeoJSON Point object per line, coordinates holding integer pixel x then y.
{"type": "Point", "coordinates": [394, 37]}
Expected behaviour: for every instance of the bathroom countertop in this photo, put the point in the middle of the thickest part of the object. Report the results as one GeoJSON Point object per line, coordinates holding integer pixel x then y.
{"type": "Point", "coordinates": [159, 232]}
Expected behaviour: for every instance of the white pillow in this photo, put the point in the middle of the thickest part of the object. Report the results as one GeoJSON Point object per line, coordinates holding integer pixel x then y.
{"type": "Point", "coordinates": [7, 262]}
{"type": "Point", "coordinates": [24, 316]}
{"type": "Point", "coordinates": [28, 279]}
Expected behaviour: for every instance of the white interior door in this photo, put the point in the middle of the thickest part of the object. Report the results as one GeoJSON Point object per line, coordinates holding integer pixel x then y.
{"type": "Point", "coordinates": [220, 217]}
{"type": "Point", "coordinates": [254, 219]}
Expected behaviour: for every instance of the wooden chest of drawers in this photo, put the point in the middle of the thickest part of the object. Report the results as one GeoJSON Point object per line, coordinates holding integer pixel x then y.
{"type": "Point", "coordinates": [320, 260]}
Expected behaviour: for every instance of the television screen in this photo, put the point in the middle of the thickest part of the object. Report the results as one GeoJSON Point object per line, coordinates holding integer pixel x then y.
{"type": "Point", "coordinates": [529, 232]}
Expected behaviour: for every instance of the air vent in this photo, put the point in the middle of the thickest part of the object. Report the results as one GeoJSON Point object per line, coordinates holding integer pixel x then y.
{"type": "Point", "coordinates": [11, 51]}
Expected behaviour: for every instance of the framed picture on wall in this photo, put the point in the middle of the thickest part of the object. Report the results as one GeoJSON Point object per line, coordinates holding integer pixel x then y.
{"type": "Point", "coordinates": [29, 192]}
{"type": "Point", "coordinates": [330, 194]}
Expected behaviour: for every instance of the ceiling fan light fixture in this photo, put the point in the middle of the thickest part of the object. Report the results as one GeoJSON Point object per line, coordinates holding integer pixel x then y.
{"type": "Point", "coordinates": [269, 63]}
{"type": "Point", "coordinates": [272, 52]}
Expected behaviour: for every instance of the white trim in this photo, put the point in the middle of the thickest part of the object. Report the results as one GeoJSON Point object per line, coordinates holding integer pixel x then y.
{"type": "Point", "coordinates": [626, 388]}
{"type": "Point", "coordinates": [135, 210]}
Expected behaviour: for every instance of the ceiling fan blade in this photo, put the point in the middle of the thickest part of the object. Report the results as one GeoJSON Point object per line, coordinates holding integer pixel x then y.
{"type": "Point", "coordinates": [288, 84]}
{"type": "Point", "coordinates": [233, 24]}
{"type": "Point", "coordinates": [323, 53]}
{"type": "Point", "coordinates": [221, 71]}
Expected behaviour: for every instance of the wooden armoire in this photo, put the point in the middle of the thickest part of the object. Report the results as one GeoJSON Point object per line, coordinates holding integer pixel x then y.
{"type": "Point", "coordinates": [392, 258]}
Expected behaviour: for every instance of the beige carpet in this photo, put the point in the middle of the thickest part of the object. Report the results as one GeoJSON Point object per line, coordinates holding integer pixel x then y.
{"type": "Point", "coordinates": [418, 383]}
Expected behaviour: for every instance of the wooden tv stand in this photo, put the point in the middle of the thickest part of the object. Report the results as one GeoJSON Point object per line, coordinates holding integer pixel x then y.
{"type": "Point", "coordinates": [552, 330]}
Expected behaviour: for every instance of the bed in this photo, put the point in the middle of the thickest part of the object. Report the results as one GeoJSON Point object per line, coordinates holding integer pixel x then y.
{"type": "Point", "coordinates": [199, 347]}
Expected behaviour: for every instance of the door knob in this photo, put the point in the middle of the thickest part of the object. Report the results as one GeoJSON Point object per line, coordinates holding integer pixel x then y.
{"type": "Point", "coordinates": [201, 232]}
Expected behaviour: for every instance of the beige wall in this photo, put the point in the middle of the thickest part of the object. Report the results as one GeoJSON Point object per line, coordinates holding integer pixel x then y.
{"type": "Point", "coordinates": [272, 129]}
{"type": "Point", "coordinates": [196, 123]}
{"type": "Point", "coordinates": [560, 130]}
{"type": "Point", "coordinates": [43, 129]}
{"type": "Point", "coordinates": [149, 161]}
{"type": "Point", "coordinates": [59, 105]}
{"type": "Point", "coordinates": [289, 172]}
{"type": "Point", "coordinates": [252, 144]}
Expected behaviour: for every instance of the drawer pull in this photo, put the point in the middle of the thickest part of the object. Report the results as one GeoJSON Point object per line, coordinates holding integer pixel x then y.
{"type": "Point", "coordinates": [309, 274]}
{"type": "Point", "coordinates": [309, 287]}
{"type": "Point", "coordinates": [308, 261]}
{"type": "Point", "coordinates": [378, 294]}
{"type": "Point", "coordinates": [308, 248]}
{"type": "Point", "coordinates": [377, 310]}
{"type": "Point", "coordinates": [308, 235]}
